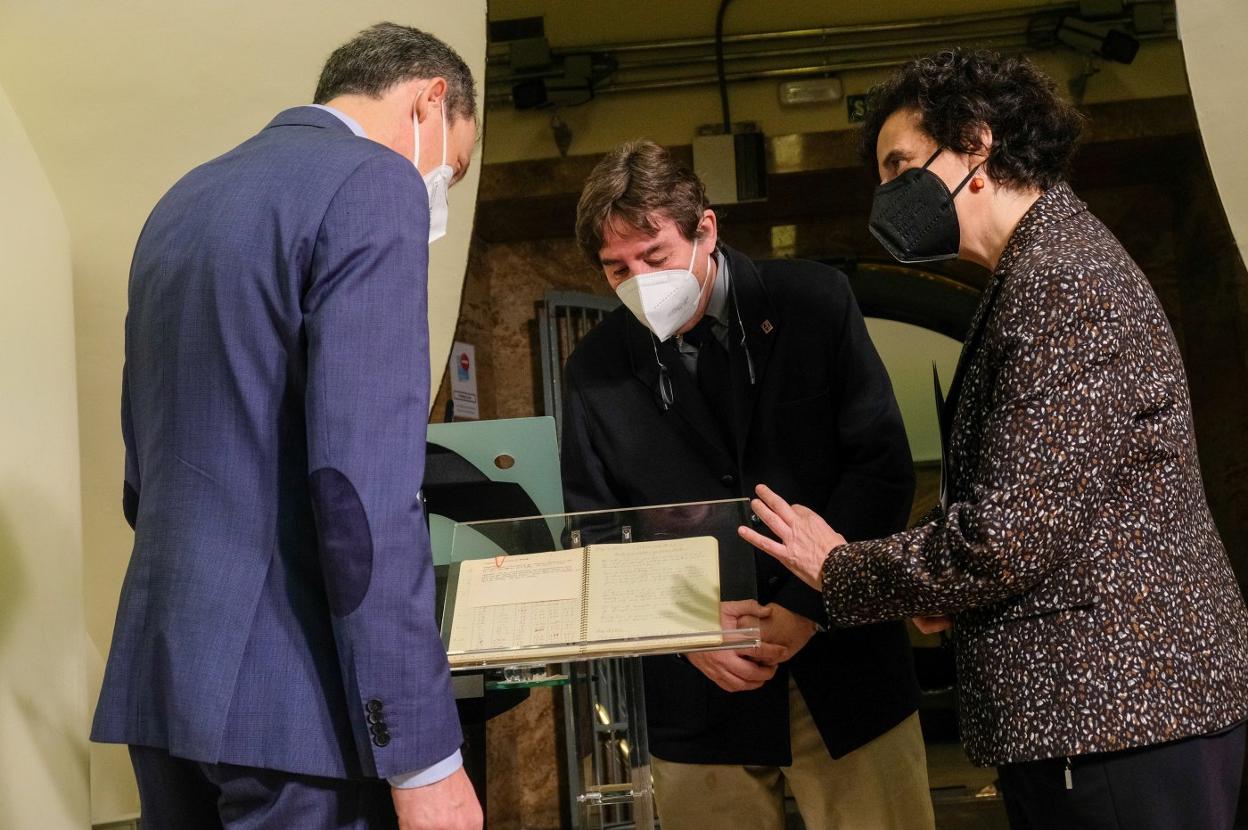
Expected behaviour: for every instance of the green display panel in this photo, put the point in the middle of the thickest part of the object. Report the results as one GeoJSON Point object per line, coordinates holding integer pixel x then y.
{"type": "Point", "coordinates": [523, 451]}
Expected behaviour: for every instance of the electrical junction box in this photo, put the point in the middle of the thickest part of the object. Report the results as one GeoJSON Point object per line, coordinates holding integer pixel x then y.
{"type": "Point", "coordinates": [732, 166]}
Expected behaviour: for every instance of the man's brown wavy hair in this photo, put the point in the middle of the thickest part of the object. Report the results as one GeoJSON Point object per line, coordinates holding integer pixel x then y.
{"type": "Point", "coordinates": [637, 184]}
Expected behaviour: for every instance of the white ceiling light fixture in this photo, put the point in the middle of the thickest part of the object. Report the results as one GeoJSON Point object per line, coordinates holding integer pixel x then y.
{"type": "Point", "coordinates": [811, 91]}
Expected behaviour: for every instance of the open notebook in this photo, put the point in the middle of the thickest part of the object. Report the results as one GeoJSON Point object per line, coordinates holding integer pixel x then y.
{"type": "Point", "coordinates": [566, 604]}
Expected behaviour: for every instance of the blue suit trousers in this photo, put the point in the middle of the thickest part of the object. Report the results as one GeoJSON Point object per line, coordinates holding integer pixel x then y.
{"type": "Point", "coordinates": [177, 794]}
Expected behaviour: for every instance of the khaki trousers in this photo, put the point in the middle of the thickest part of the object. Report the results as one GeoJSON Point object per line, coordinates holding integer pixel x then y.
{"type": "Point", "coordinates": [879, 786]}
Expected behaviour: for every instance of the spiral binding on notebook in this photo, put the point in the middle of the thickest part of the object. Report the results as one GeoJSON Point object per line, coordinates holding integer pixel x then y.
{"type": "Point", "coordinates": [584, 596]}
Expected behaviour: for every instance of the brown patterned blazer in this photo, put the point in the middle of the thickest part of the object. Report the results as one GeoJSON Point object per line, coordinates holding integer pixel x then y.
{"type": "Point", "coordinates": [1094, 605]}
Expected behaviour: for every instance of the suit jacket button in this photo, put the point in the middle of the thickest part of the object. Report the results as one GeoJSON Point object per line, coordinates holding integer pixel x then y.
{"type": "Point", "coordinates": [376, 717]}
{"type": "Point", "coordinates": [373, 705]}
{"type": "Point", "coordinates": [728, 479]}
{"type": "Point", "coordinates": [381, 739]}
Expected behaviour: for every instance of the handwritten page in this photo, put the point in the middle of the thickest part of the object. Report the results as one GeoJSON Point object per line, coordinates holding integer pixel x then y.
{"type": "Point", "coordinates": [536, 577]}
{"type": "Point", "coordinates": [654, 589]}
{"type": "Point", "coordinates": [532, 607]}
{"type": "Point", "coordinates": [518, 601]}
{"type": "Point", "coordinates": [516, 625]}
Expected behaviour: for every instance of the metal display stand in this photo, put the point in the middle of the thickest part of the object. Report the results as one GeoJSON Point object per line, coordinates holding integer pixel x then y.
{"type": "Point", "coordinates": [604, 720]}
{"type": "Point", "coordinates": [609, 745]}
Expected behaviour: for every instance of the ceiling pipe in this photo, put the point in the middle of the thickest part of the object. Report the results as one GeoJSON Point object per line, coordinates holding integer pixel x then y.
{"type": "Point", "coordinates": [771, 54]}
{"type": "Point", "coordinates": [766, 54]}
{"type": "Point", "coordinates": [820, 32]}
{"type": "Point", "coordinates": [618, 87]}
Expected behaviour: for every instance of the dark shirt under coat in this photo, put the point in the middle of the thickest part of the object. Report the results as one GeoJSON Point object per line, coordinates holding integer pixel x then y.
{"type": "Point", "coordinates": [821, 426]}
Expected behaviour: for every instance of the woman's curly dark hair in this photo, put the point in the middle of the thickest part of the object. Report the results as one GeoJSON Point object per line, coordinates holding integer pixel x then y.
{"type": "Point", "coordinates": [1034, 131]}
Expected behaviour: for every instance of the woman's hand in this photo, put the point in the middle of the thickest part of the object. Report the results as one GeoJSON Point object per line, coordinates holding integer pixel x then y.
{"type": "Point", "coordinates": [805, 538]}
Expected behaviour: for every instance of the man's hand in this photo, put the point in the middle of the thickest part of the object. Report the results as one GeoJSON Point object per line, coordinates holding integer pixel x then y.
{"type": "Point", "coordinates": [743, 669]}
{"type": "Point", "coordinates": [932, 625]}
{"type": "Point", "coordinates": [732, 671]}
{"type": "Point", "coordinates": [791, 632]}
{"type": "Point", "coordinates": [805, 538]}
{"type": "Point", "coordinates": [743, 613]}
{"type": "Point", "coordinates": [449, 804]}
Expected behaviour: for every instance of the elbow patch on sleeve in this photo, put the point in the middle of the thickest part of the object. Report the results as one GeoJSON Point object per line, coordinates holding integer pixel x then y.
{"type": "Point", "coordinates": [130, 503]}
{"type": "Point", "coordinates": [343, 538]}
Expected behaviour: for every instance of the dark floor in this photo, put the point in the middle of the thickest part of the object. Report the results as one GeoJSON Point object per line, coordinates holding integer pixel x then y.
{"type": "Point", "coordinates": [964, 796]}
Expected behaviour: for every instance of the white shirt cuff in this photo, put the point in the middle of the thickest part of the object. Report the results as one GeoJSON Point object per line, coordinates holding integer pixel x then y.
{"type": "Point", "coordinates": [428, 775]}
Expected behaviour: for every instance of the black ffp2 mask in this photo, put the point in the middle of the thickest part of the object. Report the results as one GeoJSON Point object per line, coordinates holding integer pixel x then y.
{"type": "Point", "coordinates": [913, 215]}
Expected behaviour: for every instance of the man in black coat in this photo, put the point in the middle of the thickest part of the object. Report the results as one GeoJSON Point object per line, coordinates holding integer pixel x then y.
{"type": "Point", "coordinates": [715, 377]}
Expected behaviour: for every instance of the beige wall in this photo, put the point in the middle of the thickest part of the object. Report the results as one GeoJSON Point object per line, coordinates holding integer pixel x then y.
{"type": "Point", "coordinates": [43, 698]}
{"type": "Point", "coordinates": [672, 117]}
{"type": "Point", "coordinates": [120, 99]}
{"type": "Point", "coordinates": [1213, 39]}
{"type": "Point", "coordinates": [908, 353]}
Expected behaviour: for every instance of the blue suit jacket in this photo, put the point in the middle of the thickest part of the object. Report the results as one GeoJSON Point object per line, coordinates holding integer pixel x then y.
{"type": "Point", "coordinates": [278, 609]}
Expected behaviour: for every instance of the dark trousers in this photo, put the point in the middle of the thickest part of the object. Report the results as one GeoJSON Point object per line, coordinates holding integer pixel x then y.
{"type": "Point", "coordinates": [1189, 783]}
{"type": "Point", "coordinates": [176, 794]}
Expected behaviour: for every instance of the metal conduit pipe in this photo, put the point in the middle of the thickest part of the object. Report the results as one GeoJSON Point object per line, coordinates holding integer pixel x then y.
{"type": "Point", "coordinates": [986, 38]}
{"type": "Point", "coordinates": [773, 74]}
{"type": "Point", "coordinates": [622, 66]}
{"type": "Point", "coordinates": [759, 75]}
{"type": "Point", "coordinates": [820, 32]}
{"type": "Point", "coordinates": [731, 77]}
{"type": "Point", "coordinates": [643, 65]}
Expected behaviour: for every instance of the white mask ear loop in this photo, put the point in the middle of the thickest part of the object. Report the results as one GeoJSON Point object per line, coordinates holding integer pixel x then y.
{"type": "Point", "coordinates": [693, 257]}
{"type": "Point", "coordinates": [442, 109]}
{"type": "Point", "coordinates": [416, 133]}
{"type": "Point", "coordinates": [416, 136]}
{"type": "Point", "coordinates": [707, 285]}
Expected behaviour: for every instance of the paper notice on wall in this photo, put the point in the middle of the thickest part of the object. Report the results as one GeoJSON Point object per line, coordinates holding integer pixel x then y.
{"type": "Point", "coordinates": [464, 382]}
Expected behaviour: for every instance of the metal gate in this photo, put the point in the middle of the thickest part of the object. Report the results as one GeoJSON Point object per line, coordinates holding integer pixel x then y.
{"type": "Point", "coordinates": [563, 318]}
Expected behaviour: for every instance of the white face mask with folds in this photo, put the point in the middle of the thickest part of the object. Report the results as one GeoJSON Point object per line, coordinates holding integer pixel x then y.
{"type": "Point", "coordinates": [437, 182]}
{"type": "Point", "coordinates": [664, 300]}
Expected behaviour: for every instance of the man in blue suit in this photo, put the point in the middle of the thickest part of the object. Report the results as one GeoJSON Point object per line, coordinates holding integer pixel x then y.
{"type": "Point", "coordinates": [276, 653]}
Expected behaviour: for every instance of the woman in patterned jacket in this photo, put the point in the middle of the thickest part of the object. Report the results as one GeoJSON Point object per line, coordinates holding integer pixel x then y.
{"type": "Point", "coordinates": [1102, 640]}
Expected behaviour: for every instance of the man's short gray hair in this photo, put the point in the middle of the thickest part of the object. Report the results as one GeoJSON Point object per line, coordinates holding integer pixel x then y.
{"type": "Point", "coordinates": [387, 54]}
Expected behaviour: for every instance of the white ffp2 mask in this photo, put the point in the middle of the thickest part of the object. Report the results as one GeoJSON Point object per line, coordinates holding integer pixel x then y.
{"type": "Point", "coordinates": [437, 182]}
{"type": "Point", "coordinates": [664, 300]}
